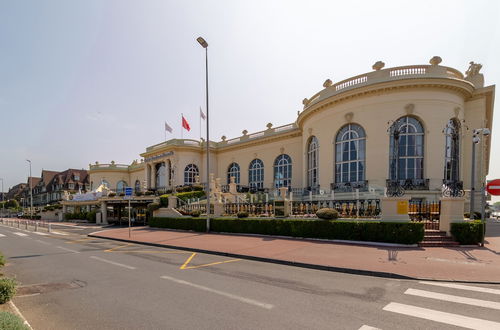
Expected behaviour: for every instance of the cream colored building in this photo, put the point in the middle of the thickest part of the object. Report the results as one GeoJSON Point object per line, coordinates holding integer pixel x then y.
{"type": "Point", "coordinates": [344, 139]}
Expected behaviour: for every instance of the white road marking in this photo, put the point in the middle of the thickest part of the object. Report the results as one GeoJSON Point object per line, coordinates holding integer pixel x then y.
{"type": "Point", "coordinates": [20, 234]}
{"type": "Point", "coordinates": [442, 317]}
{"type": "Point", "coordinates": [225, 294]}
{"type": "Point", "coordinates": [2, 235]}
{"type": "Point", "coordinates": [455, 299]}
{"type": "Point", "coordinates": [367, 327]}
{"type": "Point", "coordinates": [112, 262]}
{"type": "Point", "coordinates": [40, 233]}
{"type": "Point", "coordinates": [58, 233]}
{"type": "Point", "coordinates": [39, 241]}
{"type": "Point", "coordinates": [462, 287]}
{"type": "Point", "coordinates": [63, 248]}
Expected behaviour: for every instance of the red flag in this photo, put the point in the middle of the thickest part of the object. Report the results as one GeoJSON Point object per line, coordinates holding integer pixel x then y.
{"type": "Point", "coordinates": [185, 124]}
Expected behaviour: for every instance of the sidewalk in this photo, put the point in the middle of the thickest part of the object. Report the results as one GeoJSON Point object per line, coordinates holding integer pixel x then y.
{"type": "Point", "coordinates": [468, 264]}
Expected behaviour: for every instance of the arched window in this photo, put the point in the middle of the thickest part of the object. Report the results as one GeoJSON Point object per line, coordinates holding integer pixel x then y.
{"type": "Point", "coordinates": [350, 154]}
{"type": "Point", "coordinates": [137, 186]}
{"type": "Point", "coordinates": [256, 174]}
{"type": "Point", "coordinates": [452, 151]}
{"type": "Point", "coordinates": [190, 173]}
{"type": "Point", "coordinates": [282, 171]}
{"type": "Point", "coordinates": [406, 149]}
{"type": "Point", "coordinates": [160, 175]}
{"type": "Point", "coordinates": [120, 186]}
{"type": "Point", "coordinates": [312, 162]}
{"type": "Point", "coordinates": [233, 170]}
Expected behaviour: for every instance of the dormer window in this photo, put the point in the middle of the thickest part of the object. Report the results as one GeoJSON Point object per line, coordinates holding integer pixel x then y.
{"type": "Point", "coordinates": [76, 177]}
{"type": "Point", "coordinates": [71, 186]}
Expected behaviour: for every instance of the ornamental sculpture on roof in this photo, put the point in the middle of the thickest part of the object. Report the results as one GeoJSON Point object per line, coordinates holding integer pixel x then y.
{"type": "Point", "coordinates": [472, 74]}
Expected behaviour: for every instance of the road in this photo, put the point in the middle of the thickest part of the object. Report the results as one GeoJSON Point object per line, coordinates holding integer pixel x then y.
{"type": "Point", "coordinates": [70, 281]}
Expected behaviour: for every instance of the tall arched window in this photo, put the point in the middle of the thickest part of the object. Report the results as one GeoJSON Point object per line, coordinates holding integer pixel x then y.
{"type": "Point", "coordinates": [120, 186]}
{"type": "Point", "coordinates": [350, 154]}
{"type": "Point", "coordinates": [452, 151]}
{"type": "Point", "coordinates": [160, 175]}
{"type": "Point", "coordinates": [256, 174]}
{"type": "Point", "coordinates": [190, 173]}
{"type": "Point", "coordinates": [312, 162]}
{"type": "Point", "coordinates": [406, 149]}
{"type": "Point", "coordinates": [137, 186]}
{"type": "Point", "coordinates": [282, 171]}
{"type": "Point", "coordinates": [233, 170]}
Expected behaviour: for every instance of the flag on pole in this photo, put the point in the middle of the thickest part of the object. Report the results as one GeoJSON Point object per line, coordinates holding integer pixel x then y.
{"type": "Point", "coordinates": [168, 128]}
{"type": "Point", "coordinates": [185, 124]}
{"type": "Point", "coordinates": [202, 115]}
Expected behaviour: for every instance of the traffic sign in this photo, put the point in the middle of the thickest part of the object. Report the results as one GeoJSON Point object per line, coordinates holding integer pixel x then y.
{"type": "Point", "coordinates": [128, 191]}
{"type": "Point", "coordinates": [493, 187]}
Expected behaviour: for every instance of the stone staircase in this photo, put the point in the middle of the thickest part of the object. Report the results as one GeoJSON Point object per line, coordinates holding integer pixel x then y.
{"type": "Point", "coordinates": [436, 238]}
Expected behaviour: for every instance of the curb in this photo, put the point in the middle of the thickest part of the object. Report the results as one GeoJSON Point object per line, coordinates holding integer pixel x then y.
{"type": "Point", "coordinates": [18, 313]}
{"type": "Point", "coordinates": [297, 264]}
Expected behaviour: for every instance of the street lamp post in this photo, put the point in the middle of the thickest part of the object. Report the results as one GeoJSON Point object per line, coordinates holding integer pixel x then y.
{"type": "Point", "coordinates": [3, 199]}
{"type": "Point", "coordinates": [31, 191]}
{"type": "Point", "coordinates": [204, 44]}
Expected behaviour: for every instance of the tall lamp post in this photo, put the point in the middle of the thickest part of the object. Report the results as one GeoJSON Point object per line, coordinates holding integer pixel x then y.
{"type": "Point", "coordinates": [204, 44]}
{"type": "Point", "coordinates": [31, 192]}
{"type": "Point", "coordinates": [476, 138]}
{"type": "Point", "coordinates": [3, 199]}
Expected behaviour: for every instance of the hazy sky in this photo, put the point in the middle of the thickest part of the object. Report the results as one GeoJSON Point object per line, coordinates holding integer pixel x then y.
{"type": "Point", "coordinates": [82, 81]}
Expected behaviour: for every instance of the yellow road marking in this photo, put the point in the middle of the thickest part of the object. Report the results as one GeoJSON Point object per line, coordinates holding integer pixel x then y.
{"type": "Point", "coordinates": [185, 265]}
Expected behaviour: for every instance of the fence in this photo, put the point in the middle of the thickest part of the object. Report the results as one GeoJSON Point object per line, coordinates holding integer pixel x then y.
{"type": "Point", "coordinates": [426, 212]}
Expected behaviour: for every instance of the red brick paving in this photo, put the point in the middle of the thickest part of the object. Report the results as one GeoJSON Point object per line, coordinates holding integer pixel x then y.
{"type": "Point", "coordinates": [470, 264]}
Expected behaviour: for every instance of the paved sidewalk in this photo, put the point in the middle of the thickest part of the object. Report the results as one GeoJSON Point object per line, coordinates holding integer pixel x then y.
{"type": "Point", "coordinates": [468, 264]}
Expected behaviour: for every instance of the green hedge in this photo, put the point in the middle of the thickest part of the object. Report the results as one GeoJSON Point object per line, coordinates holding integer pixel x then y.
{"type": "Point", "coordinates": [9, 321]}
{"type": "Point", "coordinates": [388, 232]}
{"type": "Point", "coordinates": [190, 194]}
{"type": "Point", "coordinates": [468, 232]}
{"type": "Point", "coordinates": [7, 289]}
{"type": "Point", "coordinates": [186, 223]}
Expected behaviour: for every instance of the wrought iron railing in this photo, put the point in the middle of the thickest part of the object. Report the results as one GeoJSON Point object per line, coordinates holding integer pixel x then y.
{"type": "Point", "coordinates": [453, 188]}
{"type": "Point", "coordinates": [349, 186]}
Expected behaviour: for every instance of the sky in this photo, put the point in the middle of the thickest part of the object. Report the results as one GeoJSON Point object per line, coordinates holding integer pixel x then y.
{"type": "Point", "coordinates": [95, 80]}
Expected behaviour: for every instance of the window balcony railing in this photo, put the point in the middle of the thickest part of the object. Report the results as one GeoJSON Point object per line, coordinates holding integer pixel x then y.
{"type": "Point", "coordinates": [409, 184]}
{"type": "Point", "coordinates": [349, 186]}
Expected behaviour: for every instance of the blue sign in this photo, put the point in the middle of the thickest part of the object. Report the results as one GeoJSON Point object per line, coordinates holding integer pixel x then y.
{"type": "Point", "coordinates": [128, 191]}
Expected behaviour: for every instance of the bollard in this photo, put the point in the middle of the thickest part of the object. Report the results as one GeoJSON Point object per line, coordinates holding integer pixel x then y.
{"type": "Point", "coordinates": [26, 223]}
{"type": "Point", "coordinates": [36, 225]}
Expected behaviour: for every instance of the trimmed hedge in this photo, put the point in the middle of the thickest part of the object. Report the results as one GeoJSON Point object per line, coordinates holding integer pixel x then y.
{"type": "Point", "coordinates": [190, 194]}
{"type": "Point", "coordinates": [9, 321]}
{"type": "Point", "coordinates": [468, 232]}
{"type": "Point", "coordinates": [185, 223]}
{"type": "Point", "coordinates": [388, 232]}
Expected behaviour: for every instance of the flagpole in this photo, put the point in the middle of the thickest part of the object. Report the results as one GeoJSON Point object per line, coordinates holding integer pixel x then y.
{"type": "Point", "coordinates": [182, 128]}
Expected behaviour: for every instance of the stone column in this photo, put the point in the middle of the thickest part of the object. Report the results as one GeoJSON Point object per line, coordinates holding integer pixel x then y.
{"type": "Point", "coordinates": [394, 209]}
{"type": "Point", "coordinates": [172, 202]}
{"type": "Point", "coordinates": [452, 211]}
{"type": "Point", "coordinates": [232, 186]}
{"type": "Point", "coordinates": [218, 208]}
{"type": "Point", "coordinates": [104, 212]}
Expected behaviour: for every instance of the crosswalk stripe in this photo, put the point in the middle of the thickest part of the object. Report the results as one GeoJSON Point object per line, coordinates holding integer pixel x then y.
{"type": "Point", "coordinates": [58, 233]}
{"type": "Point", "coordinates": [20, 234]}
{"type": "Point", "coordinates": [462, 287]}
{"type": "Point", "coordinates": [2, 235]}
{"type": "Point", "coordinates": [442, 317]}
{"type": "Point", "coordinates": [452, 298]}
{"type": "Point", "coordinates": [367, 327]}
{"type": "Point", "coordinates": [40, 233]}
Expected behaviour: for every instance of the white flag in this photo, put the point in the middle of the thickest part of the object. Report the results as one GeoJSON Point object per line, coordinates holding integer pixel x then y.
{"type": "Point", "coordinates": [168, 128]}
{"type": "Point", "coordinates": [202, 115]}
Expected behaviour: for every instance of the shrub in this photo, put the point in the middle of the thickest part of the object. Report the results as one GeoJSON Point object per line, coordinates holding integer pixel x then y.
{"type": "Point", "coordinates": [197, 188]}
{"type": "Point", "coordinates": [195, 213]}
{"type": "Point", "coordinates": [468, 232]}
{"type": "Point", "coordinates": [477, 215]}
{"type": "Point", "coordinates": [112, 194]}
{"type": "Point", "coordinates": [9, 321]}
{"type": "Point", "coordinates": [121, 194]}
{"type": "Point", "coordinates": [90, 216]}
{"type": "Point", "coordinates": [164, 200]}
{"type": "Point", "coordinates": [7, 289]}
{"type": "Point", "coordinates": [190, 194]}
{"type": "Point", "coordinates": [242, 214]}
{"type": "Point", "coordinates": [153, 207]}
{"type": "Point", "coordinates": [148, 193]}
{"type": "Point", "coordinates": [327, 214]}
{"type": "Point", "coordinates": [2, 261]}
{"type": "Point", "coordinates": [139, 193]}
{"type": "Point", "coordinates": [195, 224]}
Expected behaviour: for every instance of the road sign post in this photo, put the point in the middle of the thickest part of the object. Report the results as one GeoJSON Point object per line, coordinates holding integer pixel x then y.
{"type": "Point", "coordinates": [128, 195]}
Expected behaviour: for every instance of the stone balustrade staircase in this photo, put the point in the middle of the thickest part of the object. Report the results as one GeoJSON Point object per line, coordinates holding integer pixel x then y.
{"type": "Point", "coordinates": [436, 238]}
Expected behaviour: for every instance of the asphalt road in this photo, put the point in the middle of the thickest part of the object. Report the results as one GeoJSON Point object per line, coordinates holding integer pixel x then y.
{"type": "Point", "coordinates": [70, 281]}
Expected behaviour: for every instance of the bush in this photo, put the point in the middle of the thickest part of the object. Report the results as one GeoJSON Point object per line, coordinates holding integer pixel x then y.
{"type": "Point", "coordinates": [153, 207]}
{"type": "Point", "coordinates": [195, 224]}
{"type": "Point", "coordinates": [2, 261]}
{"type": "Point", "coordinates": [164, 200]}
{"type": "Point", "coordinates": [7, 289]}
{"type": "Point", "coordinates": [388, 232]}
{"type": "Point", "coordinates": [477, 215]}
{"type": "Point", "coordinates": [90, 216]}
{"type": "Point", "coordinates": [190, 194]}
{"type": "Point", "coordinates": [468, 232]}
{"type": "Point", "coordinates": [197, 188]}
{"type": "Point", "coordinates": [9, 321]}
{"type": "Point", "coordinates": [242, 214]}
{"type": "Point", "coordinates": [112, 194]}
{"type": "Point", "coordinates": [139, 193]}
{"type": "Point", "coordinates": [195, 213]}
{"type": "Point", "coordinates": [327, 214]}
{"type": "Point", "coordinates": [148, 193]}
